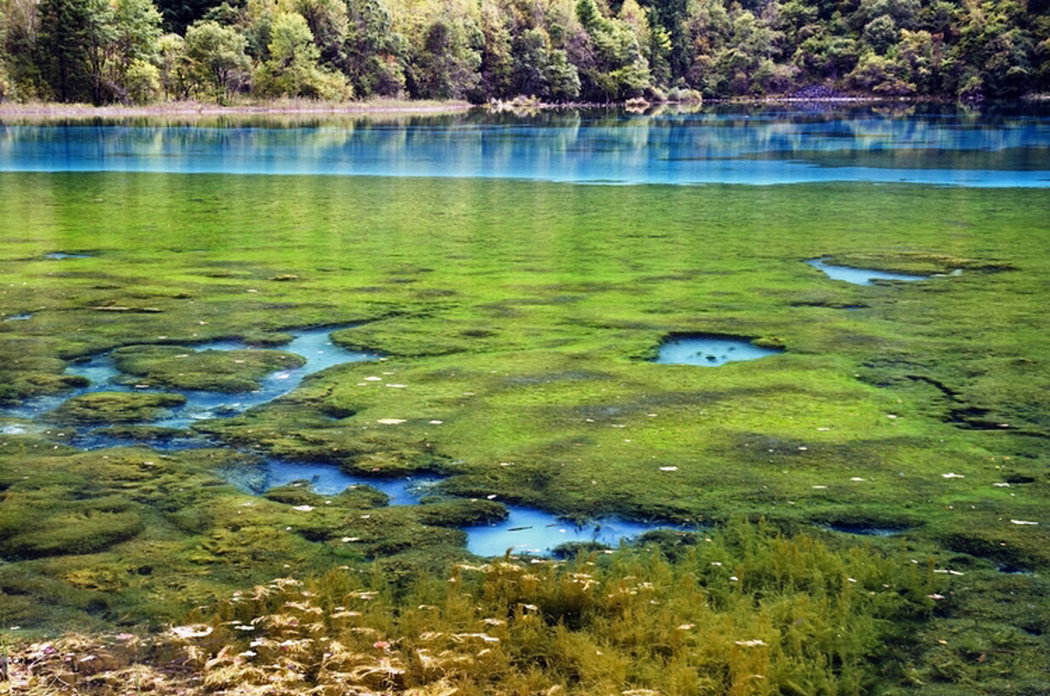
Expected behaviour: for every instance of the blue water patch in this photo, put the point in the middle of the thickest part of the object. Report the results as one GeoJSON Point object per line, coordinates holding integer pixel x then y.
{"type": "Point", "coordinates": [329, 479]}
{"type": "Point", "coordinates": [66, 255]}
{"type": "Point", "coordinates": [709, 351]}
{"type": "Point", "coordinates": [953, 148]}
{"type": "Point", "coordinates": [313, 344]}
{"type": "Point", "coordinates": [524, 531]}
{"type": "Point", "coordinates": [860, 276]}
{"type": "Point", "coordinates": [535, 532]}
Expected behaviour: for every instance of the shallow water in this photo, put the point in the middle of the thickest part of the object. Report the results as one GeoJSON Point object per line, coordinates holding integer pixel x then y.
{"type": "Point", "coordinates": [329, 479]}
{"type": "Point", "coordinates": [863, 530]}
{"type": "Point", "coordinates": [709, 351]}
{"type": "Point", "coordinates": [773, 146]}
{"type": "Point", "coordinates": [525, 530]}
{"type": "Point", "coordinates": [531, 531]}
{"type": "Point", "coordinates": [66, 255]}
{"type": "Point", "coordinates": [860, 276]}
{"type": "Point", "coordinates": [314, 344]}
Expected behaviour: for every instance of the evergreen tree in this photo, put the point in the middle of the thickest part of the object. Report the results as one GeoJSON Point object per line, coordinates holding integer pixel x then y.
{"type": "Point", "coordinates": [72, 37]}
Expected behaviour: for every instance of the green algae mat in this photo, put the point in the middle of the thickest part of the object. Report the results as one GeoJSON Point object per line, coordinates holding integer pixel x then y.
{"type": "Point", "coordinates": [518, 323]}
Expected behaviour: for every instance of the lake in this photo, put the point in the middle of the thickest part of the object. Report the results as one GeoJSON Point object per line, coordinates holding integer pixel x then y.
{"type": "Point", "coordinates": [923, 144]}
{"type": "Point", "coordinates": [519, 277]}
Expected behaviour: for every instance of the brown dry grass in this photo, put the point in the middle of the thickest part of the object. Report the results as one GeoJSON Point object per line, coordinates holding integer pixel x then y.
{"type": "Point", "coordinates": [43, 111]}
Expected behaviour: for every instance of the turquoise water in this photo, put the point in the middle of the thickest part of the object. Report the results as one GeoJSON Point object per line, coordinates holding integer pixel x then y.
{"type": "Point", "coordinates": [531, 531]}
{"type": "Point", "coordinates": [780, 146]}
{"type": "Point", "coordinates": [709, 351]}
{"type": "Point", "coordinates": [525, 530]}
{"type": "Point", "coordinates": [313, 344]}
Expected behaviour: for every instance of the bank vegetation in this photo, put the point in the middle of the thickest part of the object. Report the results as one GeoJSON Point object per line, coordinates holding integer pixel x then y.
{"type": "Point", "coordinates": [553, 51]}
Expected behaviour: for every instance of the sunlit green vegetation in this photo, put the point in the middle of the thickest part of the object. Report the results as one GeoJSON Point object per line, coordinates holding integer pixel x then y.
{"type": "Point", "coordinates": [517, 321]}
{"type": "Point", "coordinates": [744, 611]}
{"type": "Point", "coordinates": [143, 51]}
{"type": "Point", "coordinates": [182, 368]}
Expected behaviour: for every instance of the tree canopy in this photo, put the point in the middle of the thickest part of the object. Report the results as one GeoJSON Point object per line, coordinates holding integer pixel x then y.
{"type": "Point", "coordinates": [105, 51]}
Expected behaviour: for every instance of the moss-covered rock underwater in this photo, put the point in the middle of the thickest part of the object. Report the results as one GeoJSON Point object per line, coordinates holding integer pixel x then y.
{"type": "Point", "coordinates": [517, 320]}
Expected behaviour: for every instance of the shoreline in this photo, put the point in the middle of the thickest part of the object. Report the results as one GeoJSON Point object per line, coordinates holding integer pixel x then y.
{"type": "Point", "coordinates": [43, 111]}
{"type": "Point", "coordinates": [383, 107]}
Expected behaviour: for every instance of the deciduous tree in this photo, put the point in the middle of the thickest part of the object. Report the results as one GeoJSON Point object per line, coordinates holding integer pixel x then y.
{"type": "Point", "coordinates": [215, 59]}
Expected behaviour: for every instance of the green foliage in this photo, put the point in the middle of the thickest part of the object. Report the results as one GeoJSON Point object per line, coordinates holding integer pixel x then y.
{"type": "Point", "coordinates": [116, 407]}
{"type": "Point", "coordinates": [375, 51]}
{"type": "Point", "coordinates": [19, 70]}
{"type": "Point", "coordinates": [137, 24]}
{"type": "Point", "coordinates": [142, 82]}
{"type": "Point", "coordinates": [215, 59]}
{"type": "Point", "coordinates": [612, 66]}
{"type": "Point", "coordinates": [72, 44]}
{"type": "Point", "coordinates": [446, 65]}
{"type": "Point", "coordinates": [329, 24]}
{"type": "Point", "coordinates": [85, 50]}
{"type": "Point", "coordinates": [171, 69]}
{"type": "Point", "coordinates": [292, 69]}
{"type": "Point", "coordinates": [215, 370]}
{"type": "Point", "coordinates": [542, 368]}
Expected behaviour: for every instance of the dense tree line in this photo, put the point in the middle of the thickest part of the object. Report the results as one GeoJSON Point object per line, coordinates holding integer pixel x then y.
{"type": "Point", "coordinates": [140, 51]}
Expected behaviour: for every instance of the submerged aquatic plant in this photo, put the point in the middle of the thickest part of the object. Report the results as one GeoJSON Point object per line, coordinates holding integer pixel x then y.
{"type": "Point", "coordinates": [745, 612]}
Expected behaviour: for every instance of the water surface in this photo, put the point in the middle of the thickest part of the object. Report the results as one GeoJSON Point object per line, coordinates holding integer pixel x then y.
{"type": "Point", "coordinates": [531, 531]}
{"type": "Point", "coordinates": [525, 530]}
{"type": "Point", "coordinates": [313, 344]}
{"type": "Point", "coordinates": [709, 351]}
{"type": "Point", "coordinates": [936, 146]}
{"type": "Point", "coordinates": [860, 276]}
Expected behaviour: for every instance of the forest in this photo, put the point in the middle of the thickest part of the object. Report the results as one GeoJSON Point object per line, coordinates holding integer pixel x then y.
{"type": "Point", "coordinates": [554, 51]}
